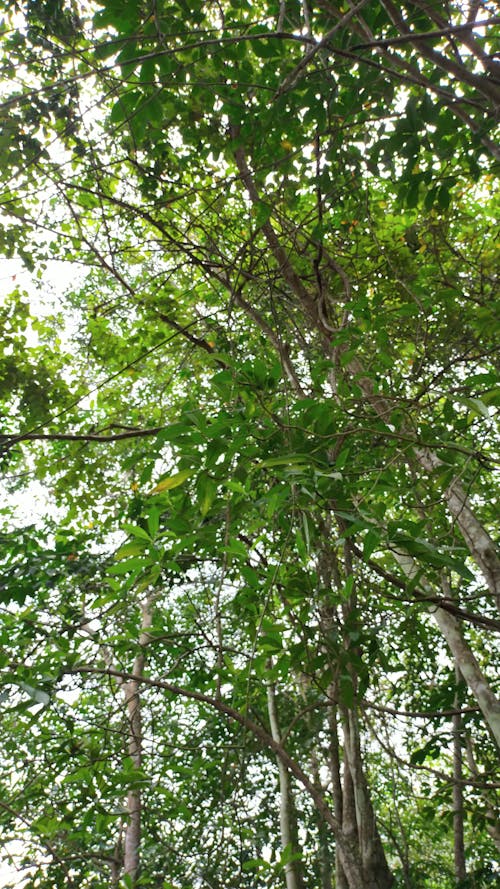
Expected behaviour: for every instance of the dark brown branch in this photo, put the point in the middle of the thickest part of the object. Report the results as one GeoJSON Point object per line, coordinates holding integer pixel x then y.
{"type": "Point", "coordinates": [427, 35]}
{"type": "Point", "coordinates": [79, 436]}
{"type": "Point", "coordinates": [483, 84]}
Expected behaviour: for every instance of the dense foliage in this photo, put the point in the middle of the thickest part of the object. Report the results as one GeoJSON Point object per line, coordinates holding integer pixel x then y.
{"type": "Point", "coordinates": [251, 640]}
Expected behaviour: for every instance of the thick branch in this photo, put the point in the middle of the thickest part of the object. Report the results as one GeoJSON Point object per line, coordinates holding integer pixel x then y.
{"type": "Point", "coordinates": [449, 30]}
{"type": "Point", "coordinates": [79, 436]}
{"type": "Point", "coordinates": [463, 656]}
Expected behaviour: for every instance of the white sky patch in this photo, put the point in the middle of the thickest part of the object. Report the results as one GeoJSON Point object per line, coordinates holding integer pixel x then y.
{"type": "Point", "coordinates": [10, 875]}
{"type": "Point", "coordinates": [45, 297]}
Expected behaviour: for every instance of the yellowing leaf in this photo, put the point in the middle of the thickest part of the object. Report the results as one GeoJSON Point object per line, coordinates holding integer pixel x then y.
{"type": "Point", "coordinates": [288, 146]}
{"type": "Point", "coordinates": [173, 481]}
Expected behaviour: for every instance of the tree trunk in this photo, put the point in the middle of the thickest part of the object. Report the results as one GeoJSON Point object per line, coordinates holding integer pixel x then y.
{"type": "Point", "coordinates": [374, 863]}
{"type": "Point", "coordinates": [470, 669]}
{"type": "Point", "coordinates": [479, 542]}
{"type": "Point", "coordinates": [324, 837]}
{"type": "Point", "coordinates": [462, 655]}
{"type": "Point", "coordinates": [288, 826]}
{"type": "Point", "coordinates": [334, 763]}
{"type": "Point", "coordinates": [324, 853]}
{"type": "Point", "coordinates": [458, 801]}
{"type": "Point", "coordinates": [131, 858]}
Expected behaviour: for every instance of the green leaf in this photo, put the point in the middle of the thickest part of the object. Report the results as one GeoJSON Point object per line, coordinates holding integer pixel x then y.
{"type": "Point", "coordinates": [207, 492]}
{"type": "Point", "coordinates": [426, 552]}
{"type": "Point", "coordinates": [130, 565]}
{"type": "Point", "coordinates": [135, 531]}
{"type": "Point", "coordinates": [371, 542]}
{"type": "Point", "coordinates": [443, 197]}
{"type": "Point", "coordinates": [36, 694]}
{"type": "Point", "coordinates": [153, 522]}
{"type": "Point", "coordinates": [172, 481]}
{"type": "Point", "coordinates": [262, 213]}
{"type": "Point", "coordinates": [286, 460]}
{"type": "Point", "coordinates": [265, 47]}
{"type": "Point", "coordinates": [346, 688]}
{"type": "Point", "coordinates": [236, 548]}
{"type": "Point", "coordinates": [348, 586]}
{"type": "Point", "coordinates": [130, 549]}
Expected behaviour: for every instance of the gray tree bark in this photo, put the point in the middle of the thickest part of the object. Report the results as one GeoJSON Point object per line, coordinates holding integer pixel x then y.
{"type": "Point", "coordinates": [374, 863]}
{"type": "Point", "coordinates": [288, 827]}
{"type": "Point", "coordinates": [131, 690]}
{"type": "Point", "coordinates": [462, 655]}
{"type": "Point", "coordinates": [458, 796]}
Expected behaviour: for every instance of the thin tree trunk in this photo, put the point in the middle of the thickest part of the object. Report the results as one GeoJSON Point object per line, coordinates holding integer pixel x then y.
{"type": "Point", "coordinates": [131, 858]}
{"type": "Point", "coordinates": [324, 853]}
{"type": "Point", "coordinates": [116, 865]}
{"type": "Point", "coordinates": [479, 542]}
{"type": "Point", "coordinates": [470, 669]}
{"type": "Point", "coordinates": [334, 763]}
{"type": "Point", "coordinates": [458, 800]}
{"type": "Point", "coordinates": [401, 841]}
{"type": "Point", "coordinates": [288, 827]}
{"type": "Point", "coordinates": [324, 857]}
{"type": "Point", "coordinates": [373, 858]}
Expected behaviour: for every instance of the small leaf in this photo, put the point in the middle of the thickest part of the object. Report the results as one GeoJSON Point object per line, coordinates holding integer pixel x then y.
{"type": "Point", "coordinates": [348, 586]}
{"type": "Point", "coordinates": [288, 460]}
{"type": "Point", "coordinates": [150, 579]}
{"type": "Point", "coordinates": [443, 197]}
{"type": "Point", "coordinates": [370, 543]}
{"type": "Point", "coordinates": [207, 492]}
{"type": "Point", "coordinates": [236, 548]}
{"type": "Point", "coordinates": [135, 548]}
{"type": "Point", "coordinates": [256, 864]}
{"type": "Point", "coordinates": [36, 694]}
{"type": "Point", "coordinates": [261, 213]}
{"type": "Point", "coordinates": [173, 481]}
{"type": "Point", "coordinates": [153, 521]}
{"type": "Point", "coordinates": [130, 565]}
{"type": "Point", "coordinates": [135, 531]}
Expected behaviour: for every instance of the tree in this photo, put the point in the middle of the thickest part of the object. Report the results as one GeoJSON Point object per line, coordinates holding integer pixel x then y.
{"type": "Point", "coordinates": [255, 646]}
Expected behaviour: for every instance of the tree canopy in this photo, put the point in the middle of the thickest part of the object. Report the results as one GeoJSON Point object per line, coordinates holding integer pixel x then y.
{"type": "Point", "coordinates": [251, 641]}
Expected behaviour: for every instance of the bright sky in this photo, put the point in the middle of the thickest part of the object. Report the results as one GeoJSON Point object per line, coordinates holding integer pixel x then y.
{"type": "Point", "coordinates": [32, 503]}
{"type": "Point", "coordinates": [44, 296]}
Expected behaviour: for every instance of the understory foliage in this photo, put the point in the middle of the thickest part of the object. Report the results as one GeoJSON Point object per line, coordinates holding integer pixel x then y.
{"type": "Point", "coordinates": [248, 634]}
